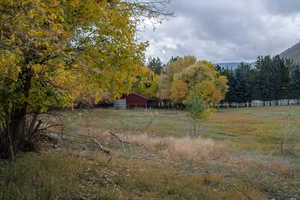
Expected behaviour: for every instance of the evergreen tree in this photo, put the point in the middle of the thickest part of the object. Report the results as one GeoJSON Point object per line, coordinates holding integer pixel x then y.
{"type": "Point", "coordinates": [173, 59]}
{"type": "Point", "coordinates": [243, 83]}
{"type": "Point", "coordinates": [280, 78]}
{"type": "Point", "coordinates": [156, 65]}
{"type": "Point", "coordinates": [263, 78]}
{"type": "Point", "coordinates": [231, 94]}
{"type": "Point", "coordinates": [294, 87]}
{"type": "Point", "coordinates": [273, 78]}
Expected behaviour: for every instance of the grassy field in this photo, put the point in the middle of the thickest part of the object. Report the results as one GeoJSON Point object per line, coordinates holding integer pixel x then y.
{"type": "Point", "coordinates": [246, 154]}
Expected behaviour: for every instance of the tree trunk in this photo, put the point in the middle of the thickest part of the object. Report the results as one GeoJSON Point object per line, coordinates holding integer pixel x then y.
{"type": "Point", "coordinates": [17, 130]}
{"type": "Point", "coordinates": [16, 124]}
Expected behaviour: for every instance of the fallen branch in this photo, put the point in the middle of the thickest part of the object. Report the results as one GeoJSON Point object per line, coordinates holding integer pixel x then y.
{"type": "Point", "coordinates": [104, 150]}
{"type": "Point", "coordinates": [118, 138]}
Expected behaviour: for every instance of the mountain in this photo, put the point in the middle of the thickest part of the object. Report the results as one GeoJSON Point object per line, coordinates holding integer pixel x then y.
{"type": "Point", "coordinates": [292, 53]}
{"type": "Point", "coordinates": [232, 65]}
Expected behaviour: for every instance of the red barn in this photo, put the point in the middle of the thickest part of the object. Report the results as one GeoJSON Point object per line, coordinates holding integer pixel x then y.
{"type": "Point", "coordinates": [136, 101]}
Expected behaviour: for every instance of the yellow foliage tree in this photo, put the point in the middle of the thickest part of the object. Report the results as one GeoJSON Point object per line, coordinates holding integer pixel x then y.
{"type": "Point", "coordinates": [179, 91]}
{"type": "Point", "coordinates": [54, 51]}
{"type": "Point", "coordinates": [205, 82]}
{"type": "Point", "coordinates": [146, 83]}
{"type": "Point", "coordinates": [169, 75]}
{"type": "Point", "coordinates": [186, 78]}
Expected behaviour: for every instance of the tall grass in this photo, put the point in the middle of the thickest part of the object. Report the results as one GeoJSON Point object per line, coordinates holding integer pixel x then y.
{"type": "Point", "coordinates": [165, 163]}
{"type": "Point", "coordinates": [185, 147]}
{"type": "Point", "coordinates": [36, 177]}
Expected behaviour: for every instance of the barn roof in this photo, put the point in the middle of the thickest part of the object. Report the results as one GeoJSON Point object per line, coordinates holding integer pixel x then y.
{"type": "Point", "coordinates": [134, 94]}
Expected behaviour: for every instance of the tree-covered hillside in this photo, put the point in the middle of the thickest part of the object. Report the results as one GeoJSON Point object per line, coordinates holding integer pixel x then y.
{"type": "Point", "coordinates": [293, 53]}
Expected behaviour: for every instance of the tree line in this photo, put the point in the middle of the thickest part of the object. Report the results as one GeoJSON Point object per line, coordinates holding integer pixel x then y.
{"type": "Point", "coordinates": [184, 80]}
{"type": "Point", "coordinates": [269, 78]}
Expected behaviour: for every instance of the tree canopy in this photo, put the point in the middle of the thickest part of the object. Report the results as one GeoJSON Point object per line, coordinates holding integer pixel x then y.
{"type": "Point", "coordinates": [185, 78]}
{"type": "Point", "coordinates": [53, 52]}
{"type": "Point", "coordinates": [271, 78]}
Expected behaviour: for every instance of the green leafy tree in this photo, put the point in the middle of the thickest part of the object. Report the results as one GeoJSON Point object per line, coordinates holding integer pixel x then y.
{"type": "Point", "coordinates": [195, 105]}
{"type": "Point", "coordinates": [198, 110]}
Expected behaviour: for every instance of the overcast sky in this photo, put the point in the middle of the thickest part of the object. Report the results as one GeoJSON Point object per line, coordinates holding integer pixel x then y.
{"type": "Point", "coordinates": [225, 30]}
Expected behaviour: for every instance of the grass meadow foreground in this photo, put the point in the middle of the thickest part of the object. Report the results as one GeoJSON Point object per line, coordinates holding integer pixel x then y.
{"type": "Point", "coordinates": [246, 154]}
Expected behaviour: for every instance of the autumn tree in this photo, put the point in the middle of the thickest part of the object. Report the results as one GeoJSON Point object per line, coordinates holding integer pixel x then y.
{"type": "Point", "coordinates": [146, 82]}
{"type": "Point", "coordinates": [168, 76]}
{"type": "Point", "coordinates": [205, 81]}
{"type": "Point", "coordinates": [179, 91]}
{"type": "Point", "coordinates": [186, 79]}
{"type": "Point", "coordinates": [51, 52]}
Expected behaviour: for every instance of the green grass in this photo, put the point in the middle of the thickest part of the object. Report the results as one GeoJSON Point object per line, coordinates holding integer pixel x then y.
{"type": "Point", "coordinates": [161, 160]}
{"type": "Point", "coordinates": [257, 129]}
{"type": "Point", "coordinates": [40, 177]}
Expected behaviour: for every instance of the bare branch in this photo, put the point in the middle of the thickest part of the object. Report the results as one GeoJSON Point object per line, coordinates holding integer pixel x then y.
{"type": "Point", "coordinates": [104, 150]}
{"type": "Point", "coordinates": [151, 8]}
{"type": "Point", "coordinates": [118, 138]}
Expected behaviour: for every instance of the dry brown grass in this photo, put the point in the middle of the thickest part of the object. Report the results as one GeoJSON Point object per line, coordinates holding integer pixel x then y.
{"type": "Point", "coordinates": [241, 152]}
{"type": "Point", "coordinates": [185, 147]}
{"type": "Point", "coordinates": [207, 150]}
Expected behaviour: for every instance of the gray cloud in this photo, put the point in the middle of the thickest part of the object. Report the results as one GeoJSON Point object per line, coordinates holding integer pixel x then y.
{"type": "Point", "coordinates": [283, 7]}
{"type": "Point", "coordinates": [226, 30]}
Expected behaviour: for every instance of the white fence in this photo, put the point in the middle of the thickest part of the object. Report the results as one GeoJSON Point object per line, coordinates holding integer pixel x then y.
{"type": "Point", "coordinates": [259, 103]}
